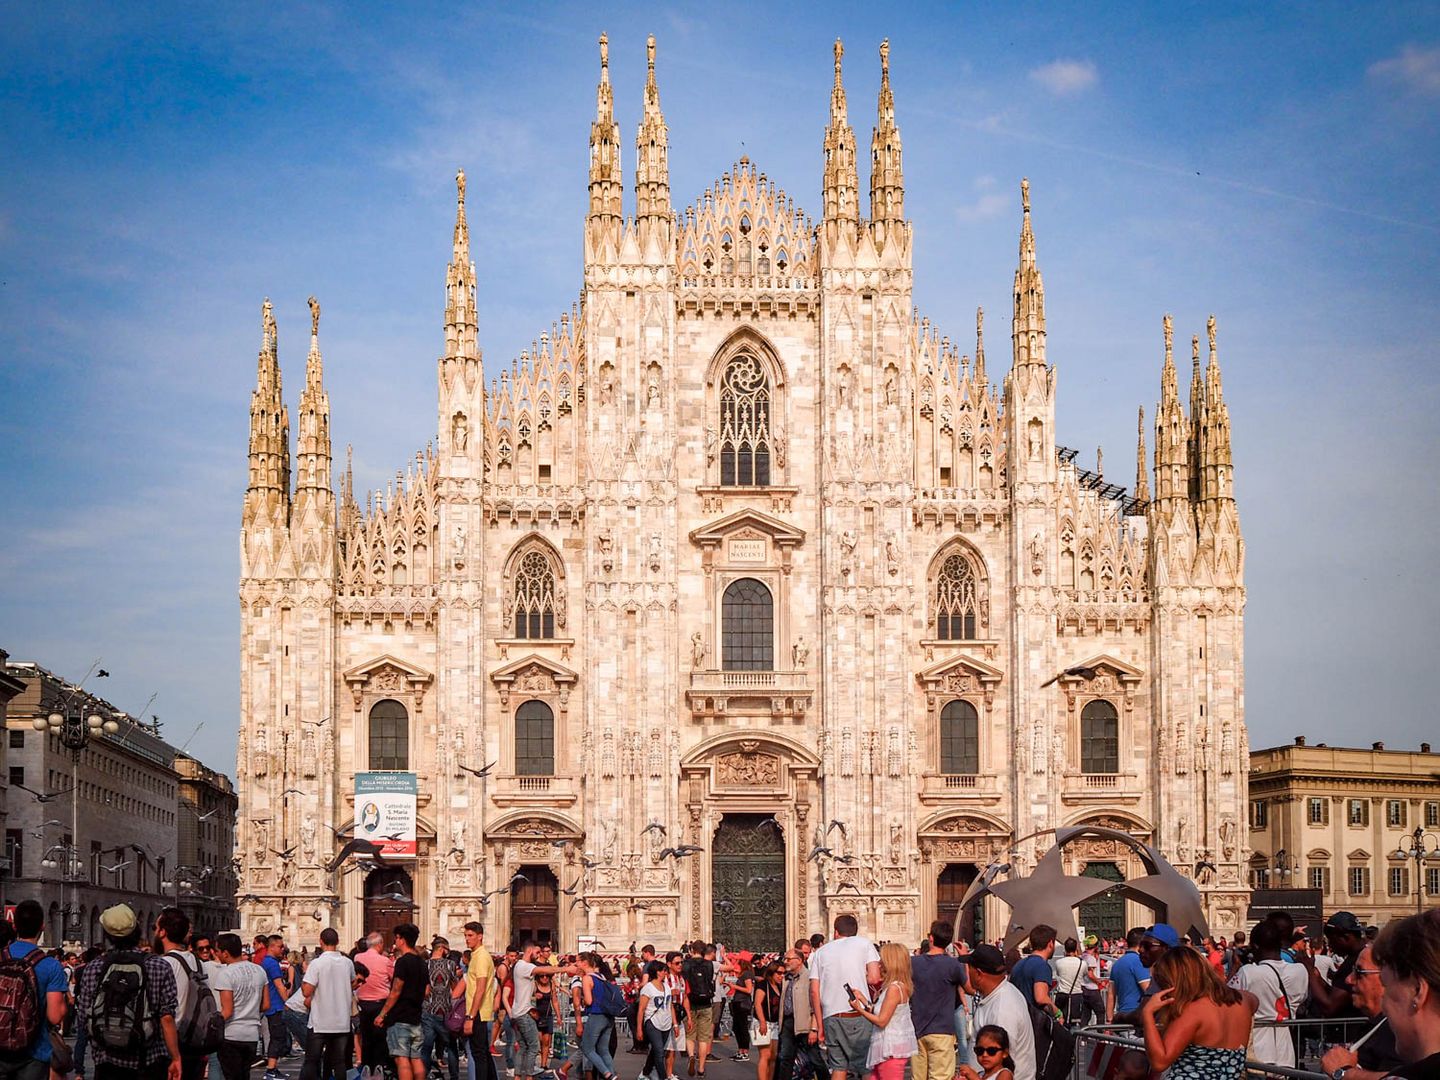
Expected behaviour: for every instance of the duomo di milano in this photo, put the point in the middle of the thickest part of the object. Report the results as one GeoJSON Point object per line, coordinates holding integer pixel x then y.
{"type": "Point", "coordinates": [740, 548]}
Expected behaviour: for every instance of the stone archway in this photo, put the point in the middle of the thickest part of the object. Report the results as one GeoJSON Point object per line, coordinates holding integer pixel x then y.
{"type": "Point", "coordinates": [523, 841]}
{"type": "Point", "coordinates": [961, 843]}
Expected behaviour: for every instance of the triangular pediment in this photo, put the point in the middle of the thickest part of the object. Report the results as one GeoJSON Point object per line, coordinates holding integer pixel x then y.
{"type": "Point", "coordinates": [385, 665]}
{"type": "Point", "coordinates": [1359, 855]}
{"type": "Point", "coordinates": [1103, 664]}
{"type": "Point", "coordinates": [960, 665]}
{"type": "Point", "coordinates": [529, 667]}
{"type": "Point", "coordinates": [782, 533]}
{"type": "Point", "coordinates": [1318, 855]}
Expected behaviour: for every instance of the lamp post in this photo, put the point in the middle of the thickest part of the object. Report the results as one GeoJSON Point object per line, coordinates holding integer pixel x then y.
{"type": "Point", "coordinates": [1412, 846]}
{"type": "Point", "coordinates": [1285, 866]}
{"type": "Point", "coordinates": [75, 730]}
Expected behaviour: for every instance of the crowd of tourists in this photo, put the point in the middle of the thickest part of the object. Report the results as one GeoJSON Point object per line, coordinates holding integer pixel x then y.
{"type": "Point", "coordinates": [161, 1003]}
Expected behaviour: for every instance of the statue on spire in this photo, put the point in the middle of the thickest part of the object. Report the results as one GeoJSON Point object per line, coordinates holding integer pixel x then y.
{"type": "Point", "coordinates": [314, 316]}
{"type": "Point", "coordinates": [460, 185]}
{"type": "Point", "coordinates": [604, 56]}
{"type": "Point", "coordinates": [839, 53]}
{"type": "Point", "coordinates": [1025, 194]}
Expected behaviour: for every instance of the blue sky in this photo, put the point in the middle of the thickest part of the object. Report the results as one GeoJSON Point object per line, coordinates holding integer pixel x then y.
{"type": "Point", "coordinates": [167, 167]}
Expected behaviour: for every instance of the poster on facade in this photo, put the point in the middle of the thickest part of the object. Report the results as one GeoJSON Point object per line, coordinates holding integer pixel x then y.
{"type": "Point", "coordinates": [385, 811]}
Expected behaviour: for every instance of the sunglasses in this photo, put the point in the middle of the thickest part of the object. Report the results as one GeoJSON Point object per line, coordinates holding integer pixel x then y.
{"type": "Point", "coordinates": [987, 1050]}
{"type": "Point", "coordinates": [1366, 971]}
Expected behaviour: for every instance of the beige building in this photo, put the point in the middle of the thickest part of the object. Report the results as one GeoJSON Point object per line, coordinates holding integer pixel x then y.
{"type": "Point", "coordinates": [1331, 817]}
{"type": "Point", "coordinates": [739, 549]}
{"type": "Point", "coordinates": [204, 875]}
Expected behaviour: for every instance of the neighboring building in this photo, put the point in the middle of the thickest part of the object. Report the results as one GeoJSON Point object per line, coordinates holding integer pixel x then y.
{"type": "Point", "coordinates": [205, 875]}
{"type": "Point", "coordinates": [10, 687]}
{"type": "Point", "coordinates": [741, 537]}
{"type": "Point", "coordinates": [114, 805]}
{"type": "Point", "coordinates": [1337, 814]}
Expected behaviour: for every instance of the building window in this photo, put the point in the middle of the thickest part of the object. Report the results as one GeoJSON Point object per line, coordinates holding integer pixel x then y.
{"type": "Point", "coordinates": [533, 601]}
{"type": "Point", "coordinates": [534, 740]}
{"type": "Point", "coordinates": [1259, 814]}
{"type": "Point", "coordinates": [744, 423]}
{"type": "Point", "coordinates": [1432, 880]}
{"type": "Point", "coordinates": [1320, 878]}
{"type": "Point", "coordinates": [1319, 811]}
{"type": "Point", "coordinates": [17, 739]}
{"type": "Point", "coordinates": [17, 775]}
{"type": "Point", "coordinates": [1395, 812]}
{"type": "Point", "coordinates": [1099, 738]}
{"type": "Point", "coordinates": [959, 739]}
{"type": "Point", "coordinates": [1359, 881]}
{"type": "Point", "coordinates": [1358, 811]}
{"type": "Point", "coordinates": [14, 852]}
{"type": "Point", "coordinates": [1399, 880]}
{"type": "Point", "coordinates": [389, 736]}
{"type": "Point", "coordinates": [747, 627]}
{"type": "Point", "coordinates": [1432, 815]}
{"type": "Point", "coordinates": [956, 600]}
{"type": "Point", "coordinates": [1261, 878]}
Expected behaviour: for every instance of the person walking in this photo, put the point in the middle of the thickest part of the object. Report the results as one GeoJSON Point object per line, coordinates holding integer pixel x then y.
{"type": "Point", "coordinates": [699, 975]}
{"type": "Point", "coordinates": [1129, 978]}
{"type": "Point", "coordinates": [241, 989]}
{"type": "Point", "coordinates": [938, 980]}
{"type": "Point", "coordinates": [797, 1033]}
{"type": "Point", "coordinates": [1069, 974]}
{"type": "Point", "coordinates": [400, 1013]}
{"type": "Point", "coordinates": [658, 1018]}
{"type": "Point", "coordinates": [172, 939]}
{"type": "Point", "coordinates": [998, 1001]}
{"type": "Point", "coordinates": [893, 1044]}
{"type": "Point", "coordinates": [1194, 1024]}
{"type": "Point", "coordinates": [593, 1026]}
{"type": "Point", "coordinates": [768, 990]}
{"type": "Point", "coordinates": [444, 985]}
{"type": "Point", "coordinates": [479, 1003]}
{"type": "Point", "coordinates": [329, 987]}
{"type": "Point", "coordinates": [52, 987]}
{"type": "Point", "coordinates": [370, 998]}
{"type": "Point", "coordinates": [1032, 975]}
{"type": "Point", "coordinates": [277, 1035]}
{"type": "Point", "coordinates": [522, 1006]}
{"type": "Point", "coordinates": [1280, 990]}
{"type": "Point", "coordinates": [848, 961]}
{"type": "Point", "coordinates": [742, 1004]}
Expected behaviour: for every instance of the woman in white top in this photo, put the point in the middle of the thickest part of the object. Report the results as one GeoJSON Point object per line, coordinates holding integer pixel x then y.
{"type": "Point", "coordinates": [893, 1044]}
{"type": "Point", "coordinates": [1070, 982]}
{"type": "Point", "coordinates": [658, 1018]}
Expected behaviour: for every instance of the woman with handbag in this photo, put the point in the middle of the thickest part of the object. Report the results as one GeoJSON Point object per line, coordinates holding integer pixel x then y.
{"type": "Point", "coordinates": [742, 1004]}
{"type": "Point", "coordinates": [767, 1018]}
{"type": "Point", "coordinates": [443, 1017]}
{"type": "Point", "coordinates": [658, 1018]}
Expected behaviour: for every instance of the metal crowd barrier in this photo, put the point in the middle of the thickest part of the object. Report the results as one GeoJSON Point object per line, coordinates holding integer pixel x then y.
{"type": "Point", "coordinates": [1098, 1049]}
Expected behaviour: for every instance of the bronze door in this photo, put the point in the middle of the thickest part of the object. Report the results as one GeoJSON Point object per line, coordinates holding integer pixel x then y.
{"type": "Point", "coordinates": [950, 889]}
{"type": "Point", "coordinates": [389, 901]}
{"type": "Point", "coordinates": [1104, 916]}
{"type": "Point", "coordinates": [535, 907]}
{"type": "Point", "coordinates": [747, 884]}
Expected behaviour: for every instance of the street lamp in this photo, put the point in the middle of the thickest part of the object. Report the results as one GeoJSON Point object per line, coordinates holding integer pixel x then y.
{"type": "Point", "coordinates": [75, 730]}
{"type": "Point", "coordinates": [1285, 864]}
{"type": "Point", "coordinates": [1421, 854]}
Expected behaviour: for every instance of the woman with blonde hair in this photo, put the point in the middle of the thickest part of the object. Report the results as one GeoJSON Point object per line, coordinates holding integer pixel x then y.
{"type": "Point", "coordinates": [893, 1044]}
{"type": "Point", "coordinates": [1195, 1025]}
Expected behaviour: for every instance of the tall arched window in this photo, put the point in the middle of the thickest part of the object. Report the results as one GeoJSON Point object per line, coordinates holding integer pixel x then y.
{"type": "Point", "coordinates": [957, 604]}
{"type": "Point", "coordinates": [533, 599]}
{"type": "Point", "coordinates": [389, 736]}
{"type": "Point", "coordinates": [747, 627]}
{"type": "Point", "coordinates": [1099, 738]}
{"type": "Point", "coordinates": [744, 423]}
{"type": "Point", "coordinates": [959, 739]}
{"type": "Point", "coordinates": [534, 740]}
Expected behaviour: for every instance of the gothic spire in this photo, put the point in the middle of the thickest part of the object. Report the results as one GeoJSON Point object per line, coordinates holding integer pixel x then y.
{"type": "Point", "coordinates": [842, 182]}
{"type": "Point", "coordinates": [1029, 321]}
{"type": "Point", "coordinates": [606, 181]}
{"type": "Point", "coordinates": [980, 347]}
{"type": "Point", "coordinates": [1197, 418]}
{"type": "Point", "coordinates": [461, 317]}
{"type": "Point", "coordinates": [1142, 473]}
{"type": "Point", "coordinates": [269, 484]}
{"type": "Point", "coordinates": [313, 416]}
{"type": "Point", "coordinates": [1172, 463]}
{"type": "Point", "coordinates": [887, 177]}
{"type": "Point", "coordinates": [652, 147]}
{"type": "Point", "coordinates": [1215, 444]}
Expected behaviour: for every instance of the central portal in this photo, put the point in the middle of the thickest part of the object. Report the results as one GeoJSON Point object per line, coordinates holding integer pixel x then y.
{"type": "Point", "coordinates": [747, 876]}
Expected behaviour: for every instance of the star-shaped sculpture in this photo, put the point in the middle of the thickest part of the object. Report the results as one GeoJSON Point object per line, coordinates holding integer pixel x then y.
{"type": "Point", "coordinates": [1171, 893]}
{"type": "Point", "coordinates": [1048, 895]}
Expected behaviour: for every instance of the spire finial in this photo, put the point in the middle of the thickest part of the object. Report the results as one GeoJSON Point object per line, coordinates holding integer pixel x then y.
{"type": "Point", "coordinates": [979, 344]}
{"type": "Point", "coordinates": [1210, 333]}
{"type": "Point", "coordinates": [1142, 484]}
{"type": "Point", "coordinates": [460, 186]}
{"type": "Point", "coordinates": [885, 60]}
{"type": "Point", "coordinates": [1195, 353]}
{"type": "Point", "coordinates": [267, 325]}
{"type": "Point", "coordinates": [839, 53]}
{"type": "Point", "coordinates": [1169, 341]}
{"type": "Point", "coordinates": [604, 57]}
{"type": "Point", "coordinates": [1025, 195]}
{"type": "Point", "coordinates": [1100, 462]}
{"type": "Point", "coordinates": [314, 317]}
{"type": "Point", "coordinates": [650, 58]}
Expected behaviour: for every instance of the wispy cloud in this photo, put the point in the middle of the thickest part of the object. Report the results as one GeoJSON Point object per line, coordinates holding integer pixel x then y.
{"type": "Point", "coordinates": [1414, 68]}
{"type": "Point", "coordinates": [1066, 77]}
{"type": "Point", "coordinates": [986, 203]}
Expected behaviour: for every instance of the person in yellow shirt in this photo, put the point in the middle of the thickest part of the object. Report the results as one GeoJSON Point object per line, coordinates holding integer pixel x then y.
{"type": "Point", "coordinates": [480, 989]}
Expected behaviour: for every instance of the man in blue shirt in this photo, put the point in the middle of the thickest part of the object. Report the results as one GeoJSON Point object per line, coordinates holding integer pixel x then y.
{"type": "Point", "coordinates": [277, 1035]}
{"type": "Point", "coordinates": [1032, 974]}
{"type": "Point", "coordinates": [33, 1063]}
{"type": "Point", "coordinates": [1128, 978]}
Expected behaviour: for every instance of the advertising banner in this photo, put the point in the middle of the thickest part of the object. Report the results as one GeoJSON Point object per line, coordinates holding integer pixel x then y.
{"type": "Point", "coordinates": [385, 811]}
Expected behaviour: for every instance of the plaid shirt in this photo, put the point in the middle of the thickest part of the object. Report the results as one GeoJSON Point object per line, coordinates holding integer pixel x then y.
{"type": "Point", "coordinates": [159, 992]}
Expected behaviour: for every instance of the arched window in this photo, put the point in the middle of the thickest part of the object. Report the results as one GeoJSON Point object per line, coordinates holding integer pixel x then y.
{"type": "Point", "coordinates": [957, 604]}
{"type": "Point", "coordinates": [533, 597]}
{"type": "Point", "coordinates": [748, 627]}
{"type": "Point", "coordinates": [534, 740]}
{"type": "Point", "coordinates": [959, 739]}
{"type": "Point", "coordinates": [1099, 738]}
{"type": "Point", "coordinates": [389, 736]}
{"type": "Point", "coordinates": [744, 423]}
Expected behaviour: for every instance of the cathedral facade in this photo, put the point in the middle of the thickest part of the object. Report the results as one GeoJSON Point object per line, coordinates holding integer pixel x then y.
{"type": "Point", "coordinates": [740, 560]}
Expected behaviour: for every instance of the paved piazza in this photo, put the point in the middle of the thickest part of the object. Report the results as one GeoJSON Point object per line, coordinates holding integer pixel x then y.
{"type": "Point", "coordinates": [742, 555]}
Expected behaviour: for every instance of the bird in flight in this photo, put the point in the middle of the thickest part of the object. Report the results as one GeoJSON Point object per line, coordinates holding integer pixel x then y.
{"type": "Point", "coordinates": [479, 772]}
{"type": "Point", "coordinates": [684, 851]}
{"type": "Point", "coordinates": [847, 885]}
{"type": "Point", "coordinates": [116, 868]}
{"type": "Point", "coordinates": [102, 674]}
{"type": "Point", "coordinates": [520, 878]}
{"type": "Point", "coordinates": [46, 796]}
{"type": "Point", "coordinates": [573, 886]}
{"type": "Point", "coordinates": [769, 823]}
{"type": "Point", "coordinates": [316, 723]}
{"type": "Point", "coordinates": [726, 906]}
{"type": "Point", "coordinates": [199, 816]}
{"type": "Point", "coordinates": [291, 791]}
{"type": "Point", "coordinates": [581, 901]}
{"type": "Point", "coordinates": [286, 855]}
{"type": "Point", "coordinates": [837, 824]}
{"type": "Point", "coordinates": [1082, 671]}
{"type": "Point", "coordinates": [817, 851]}
{"type": "Point", "coordinates": [654, 826]}
{"type": "Point", "coordinates": [355, 844]}
{"type": "Point", "coordinates": [777, 880]}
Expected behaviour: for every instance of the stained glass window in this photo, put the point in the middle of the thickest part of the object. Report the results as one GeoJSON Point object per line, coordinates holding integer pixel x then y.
{"type": "Point", "coordinates": [744, 423]}
{"type": "Point", "coordinates": [534, 597]}
{"type": "Point", "coordinates": [956, 600]}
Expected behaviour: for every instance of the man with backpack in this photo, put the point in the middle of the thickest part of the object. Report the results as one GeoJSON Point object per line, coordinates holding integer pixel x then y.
{"type": "Point", "coordinates": [126, 1001]}
{"type": "Point", "coordinates": [198, 1021]}
{"type": "Point", "coordinates": [33, 993]}
{"type": "Point", "coordinates": [699, 976]}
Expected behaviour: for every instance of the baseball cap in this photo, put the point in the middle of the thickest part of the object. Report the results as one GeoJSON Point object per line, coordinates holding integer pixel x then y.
{"type": "Point", "coordinates": [988, 959]}
{"type": "Point", "coordinates": [1344, 922]}
{"type": "Point", "coordinates": [1165, 934]}
{"type": "Point", "coordinates": [118, 921]}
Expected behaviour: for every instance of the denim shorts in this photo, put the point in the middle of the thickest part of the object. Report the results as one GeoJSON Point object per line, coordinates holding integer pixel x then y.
{"type": "Point", "coordinates": [404, 1040]}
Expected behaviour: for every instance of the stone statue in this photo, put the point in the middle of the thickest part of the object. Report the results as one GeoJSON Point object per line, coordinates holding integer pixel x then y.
{"type": "Point", "coordinates": [457, 841]}
{"type": "Point", "coordinates": [778, 443]}
{"type": "Point", "coordinates": [890, 390]}
{"type": "Point", "coordinates": [655, 553]}
{"type": "Point", "coordinates": [1035, 440]}
{"type": "Point", "coordinates": [460, 433]}
{"type": "Point", "coordinates": [459, 542]}
{"type": "Point", "coordinates": [262, 841]}
{"type": "Point", "coordinates": [314, 316]}
{"type": "Point", "coordinates": [260, 755]}
{"type": "Point", "coordinates": [897, 842]}
{"type": "Point", "coordinates": [1037, 554]}
{"type": "Point", "coordinates": [892, 554]}
{"type": "Point", "coordinates": [1182, 843]}
{"type": "Point", "coordinates": [848, 540]}
{"type": "Point", "coordinates": [652, 397]}
{"type": "Point", "coordinates": [1227, 838]}
{"type": "Point", "coordinates": [712, 444]}
{"type": "Point", "coordinates": [605, 542]}
{"type": "Point", "coordinates": [308, 752]}
{"type": "Point", "coordinates": [800, 653]}
{"type": "Point", "coordinates": [307, 840]}
{"type": "Point", "coordinates": [698, 649]}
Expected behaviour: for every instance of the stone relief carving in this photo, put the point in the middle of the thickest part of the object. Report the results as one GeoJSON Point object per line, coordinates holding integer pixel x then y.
{"type": "Point", "coordinates": [748, 769]}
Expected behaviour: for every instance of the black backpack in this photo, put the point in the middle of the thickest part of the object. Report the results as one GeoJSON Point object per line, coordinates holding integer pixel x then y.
{"type": "Point", "coordinates": [202, 1028]}
{"type": "Point", "coordinates": [120, 1015]}
{"type": "Point", "coordinates": [700, 978]}
{"type": "Point", "coordinates": [1054, 1045]}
